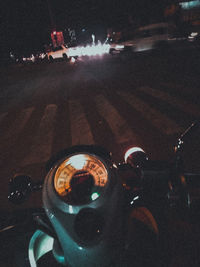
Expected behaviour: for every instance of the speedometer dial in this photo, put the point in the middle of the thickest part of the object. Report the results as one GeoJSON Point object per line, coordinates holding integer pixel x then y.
{"type": "Point", "coordinates": [80, 179]}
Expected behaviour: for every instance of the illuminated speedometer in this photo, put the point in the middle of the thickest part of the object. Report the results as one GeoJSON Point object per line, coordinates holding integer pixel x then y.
{"type": "Point", "coordinates": [80, 179]}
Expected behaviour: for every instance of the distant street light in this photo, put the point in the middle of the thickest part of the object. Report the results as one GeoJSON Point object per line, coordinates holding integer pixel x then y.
{"type": "Point", "coordinates": [93, 39]}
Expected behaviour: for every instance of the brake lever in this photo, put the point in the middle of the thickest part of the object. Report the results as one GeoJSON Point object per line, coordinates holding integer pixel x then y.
{"type": "Point", "coordinates": [43, 224]}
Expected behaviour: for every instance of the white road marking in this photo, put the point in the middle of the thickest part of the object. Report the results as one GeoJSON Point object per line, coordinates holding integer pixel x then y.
{"type": "Point", "coordinates": [17, 125]}
{"type": "Point", "coordinates": [40, 150]}
{"type": "Point", "coordinates": [181, 104]}
{"type": "Point", "coordinates": [179, 86]}
{"type": "Point", "coordinates": [159, 120]}
{"type": "Point", "coordinates": [118, 125]}
{"type": "Point", "coordinates": [80, 129]}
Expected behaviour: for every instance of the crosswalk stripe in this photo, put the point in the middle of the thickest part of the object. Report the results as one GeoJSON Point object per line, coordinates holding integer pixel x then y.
{"type": "Point", "coordinates": [118, 125]}
{"type": "Point", "coordinates": [180, 86]}
{"type": "Point", "coordinates": [159, 120]}
{"type": "Point", "coordinates": [40, 150]}
{"type": "Point", "coordinates": [18, 124]}
{"type": "Point", "coordinates": [80, 129]}
{"type": "Point", "coordinates": [181, 104]}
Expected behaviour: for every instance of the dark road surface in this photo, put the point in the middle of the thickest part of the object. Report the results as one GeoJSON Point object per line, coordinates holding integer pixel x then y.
{"type": "Point", "coordinates": [143, 100]}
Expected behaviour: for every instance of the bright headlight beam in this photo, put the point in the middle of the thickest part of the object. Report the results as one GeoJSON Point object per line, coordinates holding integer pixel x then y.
{"type": "Point", "coordinates": [78, 161]}
{"type": "Point", "coordinates": [119, 46]}
{"type": "Point", "coordinates": [90, 50]}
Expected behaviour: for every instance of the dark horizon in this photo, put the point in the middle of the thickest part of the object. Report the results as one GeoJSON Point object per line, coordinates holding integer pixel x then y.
{"type": "Point", "coordinates": [27, 25]}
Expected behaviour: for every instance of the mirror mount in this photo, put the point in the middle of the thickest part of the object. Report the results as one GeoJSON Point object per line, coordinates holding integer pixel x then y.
{"type": "Point", "coordinates": [20, 188]}
{"type": "Point", "coordinates": [180, 143]}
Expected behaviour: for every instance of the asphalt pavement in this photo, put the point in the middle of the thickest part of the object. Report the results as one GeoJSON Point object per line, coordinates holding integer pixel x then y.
{"type": "Point", "coordinates": [143, 99]}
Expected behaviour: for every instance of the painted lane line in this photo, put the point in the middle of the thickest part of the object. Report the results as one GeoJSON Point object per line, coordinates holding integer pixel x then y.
{"type": "Point", "coordinates": [159, 120]}
{"type": "Point", "coordinates": [18, 124]}
{"type": "Point", "coordinates": [80, 129]}
{"type": "Point", "coordinates": [181, 104]}
{"type": "Point", "coordinates": [118, 125]}
{"type": "Point", "coordinates": [40, 150]}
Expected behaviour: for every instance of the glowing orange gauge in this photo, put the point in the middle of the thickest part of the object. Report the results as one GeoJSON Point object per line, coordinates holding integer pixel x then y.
{"type": "Point", "coordinates": [80, 179]}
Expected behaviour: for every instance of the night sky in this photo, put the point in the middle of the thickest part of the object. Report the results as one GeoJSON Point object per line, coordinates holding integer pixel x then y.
{"type": "Point", "coordinates": [26, 24]}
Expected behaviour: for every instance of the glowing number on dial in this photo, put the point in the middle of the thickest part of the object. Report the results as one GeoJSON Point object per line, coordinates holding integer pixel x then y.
{"type": "Point", "coordinates": [92, 166]}
{"type": "Point", "coordinates": [100, 172]}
